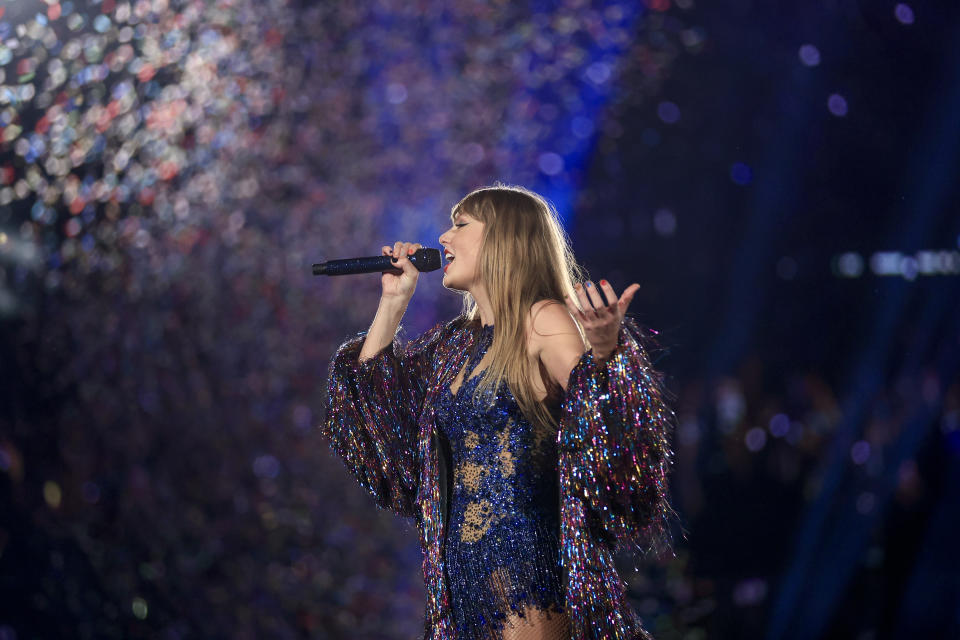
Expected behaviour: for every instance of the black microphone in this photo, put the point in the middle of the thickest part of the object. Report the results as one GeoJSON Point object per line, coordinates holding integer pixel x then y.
{"type": "Point", "coordinates": [423, 259]}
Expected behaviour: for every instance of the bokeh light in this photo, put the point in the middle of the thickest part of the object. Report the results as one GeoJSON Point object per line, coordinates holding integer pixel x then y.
{"type": "Point", "coordinates": [741, 173]}
{"type": "Point", "coordinates": [903, 13]}
{"type": "Point", "coordinates": [668, 112]}
{"type": "Point", "coordinates": [809, 55]}
{"type": "Point", "coordinates": [837, 105]}
{"type": "Point", "coordinates": [665, 222]}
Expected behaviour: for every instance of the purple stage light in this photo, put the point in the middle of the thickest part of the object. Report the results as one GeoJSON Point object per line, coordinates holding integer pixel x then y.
{"type": "Point", "coordinates": [860, 452]}
{"type": "Point", "coordinates": [809, 55]}
{"type": "Point", "coordinates": [668, 112]}
{"type": "Point", "coordinates": [837, 105]}
{"type": "Point", "coordinates": [741, 173]}
{"type": "Point", "coordinates": [755, 439]}
{"type": "Point", "coordinates": [903, 13]}
{"type": "Point", "coordinates": [550, 163]}
{"type": "Point", "coordinates": [664, 222]}
{"type": "Point", "coordinates": [779, 425]}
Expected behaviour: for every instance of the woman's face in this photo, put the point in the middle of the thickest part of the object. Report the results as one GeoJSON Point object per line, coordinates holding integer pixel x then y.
{"type": "Point", "coordinates": [462, 243]}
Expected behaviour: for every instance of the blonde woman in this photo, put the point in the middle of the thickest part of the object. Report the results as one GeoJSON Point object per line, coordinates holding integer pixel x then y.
{"type": "Point", "coordinates": [528, 437]}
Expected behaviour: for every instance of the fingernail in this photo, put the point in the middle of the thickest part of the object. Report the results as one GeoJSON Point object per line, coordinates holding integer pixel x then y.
{"type": "Point", "coordinates": [393, 259]}
{"type": "Point", "coordinates": [410, 250]}
{"type": "Point", "coordinates": [589, 284]}
{"type": "Point", "coordinates": [603, 282]}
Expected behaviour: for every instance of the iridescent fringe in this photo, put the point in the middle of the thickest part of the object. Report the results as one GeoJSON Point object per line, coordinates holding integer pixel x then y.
{"type": "Point", "coordinates": [614, 460]}
{"type": "Point", "coordinates": [373, 412]}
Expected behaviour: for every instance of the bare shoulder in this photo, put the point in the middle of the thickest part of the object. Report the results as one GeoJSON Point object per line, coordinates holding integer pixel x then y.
{"type": "Point", "coordinates": [552, 324]}
{"type": "Point", "coordinates": [555, 339]}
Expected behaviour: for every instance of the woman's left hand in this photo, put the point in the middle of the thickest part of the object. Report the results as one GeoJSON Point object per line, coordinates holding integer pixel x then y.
{"type": "Point", "coordinates": [601, 320]}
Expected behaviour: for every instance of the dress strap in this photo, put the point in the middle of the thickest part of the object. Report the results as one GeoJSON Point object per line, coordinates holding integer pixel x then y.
{"type": "Point", "coordinates": [483, 341]}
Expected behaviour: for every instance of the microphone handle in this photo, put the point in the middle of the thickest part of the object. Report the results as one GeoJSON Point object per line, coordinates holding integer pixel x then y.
{"type": "Point", "coordinates": [421, 259]}
{"type": "Point", "coordinates": [349, 266]}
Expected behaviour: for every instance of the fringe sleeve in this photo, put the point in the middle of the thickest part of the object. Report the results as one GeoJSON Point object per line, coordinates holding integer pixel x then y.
{"type": "Point", "coordinates": [615, 438]}
{"type": "Point", "coordinates": [373, 411]}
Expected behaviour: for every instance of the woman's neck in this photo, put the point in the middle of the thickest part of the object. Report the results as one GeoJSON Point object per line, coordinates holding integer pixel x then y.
{"type": "Point", "coordinates": [483, 305]}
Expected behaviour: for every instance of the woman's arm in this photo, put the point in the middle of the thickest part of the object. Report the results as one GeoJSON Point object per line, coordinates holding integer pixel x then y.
{"type": "Point", "coordinates": [556, 340]}
{"type": "Point", "coordinates": [373, 409]}
{"type": "Point", "coordinates": [375, 393]}
{"type": "Point", "coordinates": [615, 429]}
{"type": "Point", "coordinates": [396, 294]}
{"type": "Point", "coordinates": [384, 327]}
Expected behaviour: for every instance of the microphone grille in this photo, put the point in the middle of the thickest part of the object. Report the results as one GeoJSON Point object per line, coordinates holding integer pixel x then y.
{"type": "Point", "coordinates": [430, 261]}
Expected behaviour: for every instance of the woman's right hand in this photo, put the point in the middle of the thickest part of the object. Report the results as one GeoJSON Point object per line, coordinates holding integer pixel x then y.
{"type": "Point", "coordinates": [400, 287]}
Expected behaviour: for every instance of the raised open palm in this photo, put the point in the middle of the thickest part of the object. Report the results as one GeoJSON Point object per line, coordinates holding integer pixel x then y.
{"type": "Point", "coordinates": [601, 318]}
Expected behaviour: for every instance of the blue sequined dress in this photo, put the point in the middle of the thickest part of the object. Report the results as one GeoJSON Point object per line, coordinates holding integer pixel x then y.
{"type": "Point", "coordinates": [502, 546]}
{"type": "Point", "coordinates": [613, 437]}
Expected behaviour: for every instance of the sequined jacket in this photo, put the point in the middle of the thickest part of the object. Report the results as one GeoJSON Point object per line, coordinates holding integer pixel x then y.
{"type": "Point", "coordinates": [614, 458]}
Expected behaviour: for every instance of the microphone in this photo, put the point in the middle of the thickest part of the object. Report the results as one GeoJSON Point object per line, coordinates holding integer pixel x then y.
{"type": "Point", "coordinates": [424, 259]}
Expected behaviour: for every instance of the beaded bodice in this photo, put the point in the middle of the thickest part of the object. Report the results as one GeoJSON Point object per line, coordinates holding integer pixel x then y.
{"type": "Point", "coordinates": [502, 546]}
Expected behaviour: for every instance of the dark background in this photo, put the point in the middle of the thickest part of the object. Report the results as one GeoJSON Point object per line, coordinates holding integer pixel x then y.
{"type": "Point", "coordinates": [169, 171]}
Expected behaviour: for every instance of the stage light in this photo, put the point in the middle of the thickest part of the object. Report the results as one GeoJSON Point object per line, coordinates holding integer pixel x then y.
{"type": "Point", "coordinates": [850, 265]}
{"type": "Point", "coordinates": [779, 425]}
{"type": "Point", "coordinates": [741, 173]}
{"type": "Point", "coordinates": [885, 263]}
{"type": "Point", "coordinates": [809, 55]}
{"type": "Point", "coordinates": [903, 13]}
{"type": "Point", "coordinates": [72, 227]}
{"type": "Point", "coordinates": [926, 263]}
{"type": "Point", "coordinates": [52, 494]}
{"type": "Point", "coordinates": [692, 38]}
{"type": "Point", "coordinates": [139, 608]}
{"type": "Point", "coordinates": [909, 268]}
{"type": "Point", "coordinates": [837, 105]}
{"type": "Point", "coordinates": [598, 72]}
{"type": "Point", "coordinates": [750, 592]}
{"type": "Point", "coordinates": [664, 222]}
{"type": "Point", "coordinates": [396, 93]}
{"type": "Point", "coordinates": [668, 112]}
{"type": "Point", "coordinates": [550, 163]}
{"type": "Point", "coordinates": [860, 452]}
{"type": "Point", "coordinates": [755, 439]}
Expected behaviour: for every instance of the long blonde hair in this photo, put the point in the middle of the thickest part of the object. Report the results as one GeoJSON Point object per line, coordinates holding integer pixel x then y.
{"type": "Point", "coordinates": [525, 256]}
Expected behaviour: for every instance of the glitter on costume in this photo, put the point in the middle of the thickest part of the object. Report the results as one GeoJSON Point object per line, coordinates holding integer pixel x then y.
{"type": "Point", "coordinates": [613, 452]}
{"type": "Point", "coordinates": [502, 543]}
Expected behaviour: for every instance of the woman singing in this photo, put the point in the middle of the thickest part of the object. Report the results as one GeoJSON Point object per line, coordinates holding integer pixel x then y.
{"type": "Point", "coordinates": [528, 437]}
